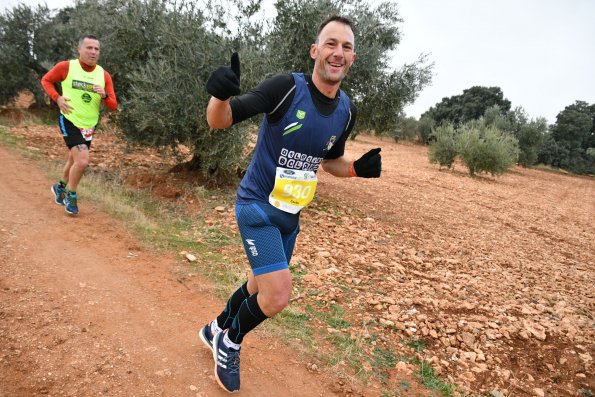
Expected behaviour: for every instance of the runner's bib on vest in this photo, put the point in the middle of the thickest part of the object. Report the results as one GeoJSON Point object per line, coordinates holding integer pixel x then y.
{"type": "Point", "coordinates": [293, 190]}
{"type": "Point", "coordinates": [87, 133]}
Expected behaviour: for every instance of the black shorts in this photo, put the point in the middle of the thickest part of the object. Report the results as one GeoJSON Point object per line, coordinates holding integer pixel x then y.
{"type": "Point", "coordinates": [73, 136]}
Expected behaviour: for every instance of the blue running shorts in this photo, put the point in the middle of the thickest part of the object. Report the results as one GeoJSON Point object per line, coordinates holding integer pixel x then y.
{"type": "Point", "coordinates": [268, 235]}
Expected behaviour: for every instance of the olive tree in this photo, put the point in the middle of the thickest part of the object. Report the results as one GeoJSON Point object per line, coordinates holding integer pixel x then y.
{"type": "Point", "coordinates": [379, 91]}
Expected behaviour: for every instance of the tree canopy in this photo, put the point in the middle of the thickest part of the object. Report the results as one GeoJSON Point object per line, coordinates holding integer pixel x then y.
{"type": "Point", "coordinates": [572, 139]}
{"type": "Point", "coordinates": [161, 52]}
{"type": "Point", "coordinates": [471, 105]}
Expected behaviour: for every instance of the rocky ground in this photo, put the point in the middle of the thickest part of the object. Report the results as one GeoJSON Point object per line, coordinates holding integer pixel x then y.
{"type": "Point", "coordinates": [490, 279]}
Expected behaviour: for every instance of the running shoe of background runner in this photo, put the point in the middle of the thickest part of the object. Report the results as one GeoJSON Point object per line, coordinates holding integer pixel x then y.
{"type": "Point", "coordinates": [206, 336]}
{"type": "Point", "coordinates": [227, 364]}
{"type": "Point", "coordinates": [70, 203]}
{"type": "Point", "coordinates": [59, 193]}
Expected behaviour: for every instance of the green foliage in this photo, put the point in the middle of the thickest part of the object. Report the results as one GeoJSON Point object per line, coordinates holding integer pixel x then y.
{"type": "Point", "coordinates": [585, 392]}
{"type": "Point", "coordinates": [161, 52]}
{"type": "Point", "coordinates": [481, 146]}
{"type": "Point", "coordinates": [443, 146]}
{"type": "Point", "coordinates": [406, 128]}
{"type": "Point", "coordinates": [571, 137]}
{"type": "Point", "coordinates": [381, 361]}
{"type": "Point", "coordinates": [431, 380]}
{"type": "Point", "coordinates": [529, 133]}
{"type": "Point", "coordinates": [485, 148]}
{"type": "Point", "coordinates": [471, 105]}
{"type": "Point", "coordinates": [20, 65]}
{"type": "Point", "coordinates": [425, 126]}
{"type": "Point", "coordinates": [335, 317]}
{"type": "Point", "coordinates": [531, 138]}
{"type": "Point", "coordinates": [417, 344]}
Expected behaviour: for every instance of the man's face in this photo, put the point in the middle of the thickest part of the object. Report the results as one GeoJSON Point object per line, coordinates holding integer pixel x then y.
{"type": "Point", "coordinates": [89, 51]}
{"type": "Point", "coordinates": [333, 52]}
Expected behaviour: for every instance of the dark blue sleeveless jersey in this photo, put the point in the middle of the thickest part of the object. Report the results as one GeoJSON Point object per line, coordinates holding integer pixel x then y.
{"type": "Point", "coordinates": [299, 141]}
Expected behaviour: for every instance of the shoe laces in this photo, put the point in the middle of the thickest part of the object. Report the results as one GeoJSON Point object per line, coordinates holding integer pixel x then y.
{"type": "Point", "coordinates": [233, 362]}
{"type": "Point", "coordinates": [71, 199]}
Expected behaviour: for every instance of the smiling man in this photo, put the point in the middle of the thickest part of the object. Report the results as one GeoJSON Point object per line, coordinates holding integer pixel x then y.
{"type": "Point", "coordinates": [306, 124]}
{"type": "Point", "coordinates": [84, 85]}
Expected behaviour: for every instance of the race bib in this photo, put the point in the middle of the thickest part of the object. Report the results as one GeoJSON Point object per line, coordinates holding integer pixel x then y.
{"type": "Point", "coordinates": [87, 133]}
{"type": "Point", "coordinates": [294, 189]}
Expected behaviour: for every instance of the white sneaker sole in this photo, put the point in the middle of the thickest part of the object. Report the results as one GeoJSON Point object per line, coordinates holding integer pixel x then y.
{"type": "Point", "coordinates": [54, 193]}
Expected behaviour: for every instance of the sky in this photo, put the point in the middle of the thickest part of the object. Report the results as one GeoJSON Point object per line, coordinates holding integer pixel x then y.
{"type": "Point", "coordinates": [541, 53]}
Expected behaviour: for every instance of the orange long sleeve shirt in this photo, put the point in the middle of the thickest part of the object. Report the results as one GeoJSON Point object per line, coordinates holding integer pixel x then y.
{"type": "Point", "coordinates": [59, 72]}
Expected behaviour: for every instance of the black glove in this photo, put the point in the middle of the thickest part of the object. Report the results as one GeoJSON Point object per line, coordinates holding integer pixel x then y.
{"type": "Point", "coordinates": [369, 165]}
{"type": "Point", "coordinates": [225, 81]}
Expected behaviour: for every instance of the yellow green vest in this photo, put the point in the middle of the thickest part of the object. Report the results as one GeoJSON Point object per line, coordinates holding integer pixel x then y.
{"type": "Point", "coordinates": [78, 86]}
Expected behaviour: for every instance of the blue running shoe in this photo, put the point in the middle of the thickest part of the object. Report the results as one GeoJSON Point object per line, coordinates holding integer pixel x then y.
{"type": "Point", "coordinates": [206, 336]}
{"type": "Point", "coordinates": [70, 203]}
{"type": "Point", "coordinates": [227, 364]}
{"type": "Point", "coordinates": [59, 193]}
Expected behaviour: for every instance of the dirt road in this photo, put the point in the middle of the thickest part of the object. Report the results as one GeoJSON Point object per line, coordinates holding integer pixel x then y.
{"type": "Point", "coordinates": [84, 311]}
{"type": "Point", "coordinates": [488, 280]}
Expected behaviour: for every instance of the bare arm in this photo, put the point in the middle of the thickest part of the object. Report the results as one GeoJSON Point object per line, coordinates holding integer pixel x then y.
{"type": "Point", "coordinates": [367, 166]}
{"type": "Point", "coordinates": [219, 113]}
{"type": "Point", "coordinates": [339, 167]}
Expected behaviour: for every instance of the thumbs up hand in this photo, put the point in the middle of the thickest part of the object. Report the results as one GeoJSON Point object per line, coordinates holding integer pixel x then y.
{"type": "Point", "coordinates": [225, 81]}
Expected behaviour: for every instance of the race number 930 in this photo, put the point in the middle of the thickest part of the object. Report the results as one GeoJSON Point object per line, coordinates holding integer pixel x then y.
{"type": "Point", "coordinates": [297, 191]}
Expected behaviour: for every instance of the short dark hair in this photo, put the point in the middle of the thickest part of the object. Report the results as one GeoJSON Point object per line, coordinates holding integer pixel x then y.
{"type": "Point", "coordinates": [87, 36]}
{"type": "Point", "coordinates": [334, 18]}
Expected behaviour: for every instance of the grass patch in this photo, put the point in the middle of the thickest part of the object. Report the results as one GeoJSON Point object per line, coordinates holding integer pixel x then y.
{"type": "Point", "coordinates": [381, 361]}
{"type": "Point", "coordinates": [296, 326]}
{"type": "Point", "coordinates": [430, 380]}
{"type": "Point", "coordinates": [416, 344]}
{"type": "Point", "coordinates": [334, 317]}
{"type": "Point", "coordinates": [157, 223]}
{"type": "Point", "coordinates": [347, 351]}
{"type": "Point", "coordinates": [17, 144]}
{"type": "Point", "coordinates": [31, 116]}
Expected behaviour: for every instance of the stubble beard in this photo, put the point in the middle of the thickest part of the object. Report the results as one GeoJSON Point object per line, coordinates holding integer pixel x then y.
{"type": "Point", "coordinates": [327, 77]}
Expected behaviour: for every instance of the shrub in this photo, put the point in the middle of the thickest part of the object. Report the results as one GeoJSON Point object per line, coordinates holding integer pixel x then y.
{"type": "Point", "coordinates": [406, 128]}
{"type": "Point", "coordinates": [443, 146]}
{"type": "Point", "coordinates": [486, 149]}
{"type": "Point", "coordinates": [425, 126]}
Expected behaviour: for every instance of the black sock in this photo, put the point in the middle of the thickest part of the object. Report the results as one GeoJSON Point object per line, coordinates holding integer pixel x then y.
{"type": "Point", "coordinates": [225, 319]}
{"type": "Point", "coordinates": [248, 317]}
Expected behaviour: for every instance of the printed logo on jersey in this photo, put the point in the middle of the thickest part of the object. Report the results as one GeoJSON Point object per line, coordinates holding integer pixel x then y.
{"type": "Point", "coordinates": [86, 97]}
{"type": "Point", "coordinates": [298, 161]}
{"type": "Point", "coordinates": [291, 127]}
{"type": "Point", "coordinates": [300, 114]}
{"type": "Point", "coordinates": [251, 247]}
{"type": "Point", "coordinates": [82, 85]}
{"type": "Point", "coordinates": [330, 143]}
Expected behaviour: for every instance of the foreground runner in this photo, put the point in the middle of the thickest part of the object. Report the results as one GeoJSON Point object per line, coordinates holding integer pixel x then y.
{"type": "Point", "coordinates": [84, 85]}
{"type": "Point", "coordinates": [308, 120]}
